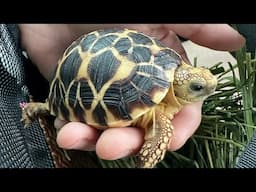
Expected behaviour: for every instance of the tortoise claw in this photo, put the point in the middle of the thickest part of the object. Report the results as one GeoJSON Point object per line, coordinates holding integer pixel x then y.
{"type": "Point", "coordinates": [31, 112]}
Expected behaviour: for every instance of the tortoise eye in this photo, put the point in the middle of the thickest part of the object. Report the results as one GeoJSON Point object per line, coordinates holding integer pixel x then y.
{"type": "Point", "coordinates": [196, 87]}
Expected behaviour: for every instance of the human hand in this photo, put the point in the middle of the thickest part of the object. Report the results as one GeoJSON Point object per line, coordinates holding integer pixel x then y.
{"type": "Point", "coordinates": [51, 40]}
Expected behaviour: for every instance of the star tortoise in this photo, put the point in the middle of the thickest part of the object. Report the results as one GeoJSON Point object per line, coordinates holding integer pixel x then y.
{"type": "Point", "coordinates": [119, 77]}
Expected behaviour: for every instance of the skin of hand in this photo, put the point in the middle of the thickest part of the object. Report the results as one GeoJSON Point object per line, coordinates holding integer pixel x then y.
{"type": "Point", "coordinates": [45, 43]}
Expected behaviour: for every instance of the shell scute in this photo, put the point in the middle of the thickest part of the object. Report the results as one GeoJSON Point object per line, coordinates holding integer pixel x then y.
{"type": "Point", "coordinates": [112, 76]}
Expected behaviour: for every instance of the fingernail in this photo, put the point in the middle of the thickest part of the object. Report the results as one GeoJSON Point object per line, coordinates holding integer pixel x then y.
{"type": "Point", "coordinates": [84, 145]}
{"type": "Point", "coordinates": [185, 58]}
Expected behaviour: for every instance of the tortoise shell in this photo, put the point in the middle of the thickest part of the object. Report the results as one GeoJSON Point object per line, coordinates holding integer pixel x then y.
{"type": "Point", "coordinates": [111, 77]}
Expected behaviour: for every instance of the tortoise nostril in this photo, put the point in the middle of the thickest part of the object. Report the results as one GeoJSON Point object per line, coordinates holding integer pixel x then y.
{"type": "Point", "coordinates": [211, 89]}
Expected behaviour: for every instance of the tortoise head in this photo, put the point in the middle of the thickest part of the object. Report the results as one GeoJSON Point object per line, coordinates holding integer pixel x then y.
{"type": "Point", "coordinates": [192, 84]}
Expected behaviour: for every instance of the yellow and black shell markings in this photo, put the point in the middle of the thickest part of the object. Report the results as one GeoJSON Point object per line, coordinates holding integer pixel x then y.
{"type": "Point", "coordinates": [111, 76]}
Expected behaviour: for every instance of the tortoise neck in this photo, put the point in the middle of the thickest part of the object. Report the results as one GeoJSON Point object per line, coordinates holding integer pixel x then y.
{"type": "Point", "coordinates": [169, 106]}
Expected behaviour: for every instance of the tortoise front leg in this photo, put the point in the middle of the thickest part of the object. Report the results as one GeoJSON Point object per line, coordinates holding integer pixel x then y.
{"type": "Point", "coordinates": [31, 111]}
{"type": "Point", "coordinates": [156, 142]}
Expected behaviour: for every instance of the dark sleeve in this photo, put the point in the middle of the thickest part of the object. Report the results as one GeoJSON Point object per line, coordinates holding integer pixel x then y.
{"type": "Point", "coordinates": [19, 147]}
{"type": "Point", "coordinates": [248, 156]}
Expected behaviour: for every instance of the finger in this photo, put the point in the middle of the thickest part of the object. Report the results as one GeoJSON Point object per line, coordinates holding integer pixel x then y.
{"type": "Point", "coordinates": [78, 136]}
{"type": "Point", "coordinates": [171, 40]}
{"type": "Point", "coordinates": [185, 124]}
{"type": "Point", "coordinates": [117, 143]}
{"type": "Point", "coordinates": [215, 36]}
{"type": "Point", "coordinates": [58, 124]}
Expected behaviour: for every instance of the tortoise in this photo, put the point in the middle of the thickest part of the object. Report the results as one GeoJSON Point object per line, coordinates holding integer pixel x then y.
{"type": "Point", "coordinates": [121, 77]}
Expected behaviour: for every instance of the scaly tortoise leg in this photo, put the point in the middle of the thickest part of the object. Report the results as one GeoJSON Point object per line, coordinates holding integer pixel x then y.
{"type": "Point", "coordinates": [31, 111]}
{"type": "Point", "coordinates": [156, 142]}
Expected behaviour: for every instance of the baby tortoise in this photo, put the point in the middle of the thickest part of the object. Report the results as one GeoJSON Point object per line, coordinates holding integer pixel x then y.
{"type": "Point", "coordinates": [120, 77]}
